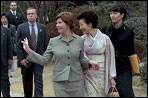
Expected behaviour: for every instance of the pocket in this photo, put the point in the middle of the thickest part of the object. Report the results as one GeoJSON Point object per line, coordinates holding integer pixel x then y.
{"type": "Point", "coordinates": [79, 68]}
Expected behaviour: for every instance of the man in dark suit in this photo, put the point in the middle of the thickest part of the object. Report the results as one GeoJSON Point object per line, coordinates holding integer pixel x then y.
{"type": "Point", "coordinates": [6, 58]}
{"type": "Point", "coordinates": [37, 36]}
{"type": "Point", "coordinates": [15, 17]}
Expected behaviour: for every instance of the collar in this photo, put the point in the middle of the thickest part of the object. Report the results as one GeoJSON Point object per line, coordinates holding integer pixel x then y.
{"type": "Point", "coordinates": [13, 12]}
{"type": "Point", "coordinates": [30, 24]}
{"type": "Point", "coordinates": [121, 28]}
{"type": "Point", "coordinates": [5, 25]}
{"type": "Point", "coordinates": [73, 36]}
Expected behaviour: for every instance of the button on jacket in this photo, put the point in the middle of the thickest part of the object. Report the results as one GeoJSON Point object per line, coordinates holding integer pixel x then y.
{"type": "Point", "coordinates": [69, 57]}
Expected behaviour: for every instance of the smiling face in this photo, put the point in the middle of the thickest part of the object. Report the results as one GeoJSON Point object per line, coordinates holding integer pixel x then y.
{"type": "Point", "coordinates": [62, 27]}
{"type": "Point", "coordinates": [85, 28]}
{"type": "Point", "coordinates": [116, 16]}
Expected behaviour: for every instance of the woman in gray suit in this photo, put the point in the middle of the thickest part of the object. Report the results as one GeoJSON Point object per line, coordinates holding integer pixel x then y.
{"type": "Point", "coordinates": [69, 58]}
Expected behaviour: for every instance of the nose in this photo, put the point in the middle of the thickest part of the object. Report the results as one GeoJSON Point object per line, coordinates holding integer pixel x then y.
{"type": "Point", "coordinates": [111, 15]}
{"type": "Point", "coordinates": [30, 15]}
{"type": "Point", "coordinates": [57, 25]}
{"type": "Point", "coordinates": [3, 20]}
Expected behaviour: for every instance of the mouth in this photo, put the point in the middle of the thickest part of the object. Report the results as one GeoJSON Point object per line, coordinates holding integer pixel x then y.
{"type": "Point", "coordinates": [83, 31]}
{"type": "Point", "coordinates": [113, 19]}
{"type": "Point", "coordinates": [59, 28]}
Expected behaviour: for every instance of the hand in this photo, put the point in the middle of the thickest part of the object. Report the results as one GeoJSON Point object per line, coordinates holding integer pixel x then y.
{"type": "Point", "coordinates": [84, 69]}
{"type": "Point", "coordinates": [94, 64]}
{"type": "Point", "coordinates": [25, 45]}
{"type": "Point", "coordinates": [10, 61]}
{"type": "Point", "coordinates": [24, 62]}
{"type": "Point", "coordinates": [112, 82]}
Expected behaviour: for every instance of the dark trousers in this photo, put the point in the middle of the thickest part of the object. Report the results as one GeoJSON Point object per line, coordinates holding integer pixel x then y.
{"type": "Point", "coordinates": [5, 83]}
{"type": "Point", "coordinates": [27, 76]}
{"type": "Point", "coordinates": [124, 84]}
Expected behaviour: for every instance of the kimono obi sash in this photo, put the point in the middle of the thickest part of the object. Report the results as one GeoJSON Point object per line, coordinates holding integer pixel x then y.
{"type": "Point", "coordinates": [100, 58]}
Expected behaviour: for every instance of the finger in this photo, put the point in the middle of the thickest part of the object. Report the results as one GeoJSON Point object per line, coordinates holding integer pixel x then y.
{"type": "Point", "coordinates": [27, 61]}
{"type": "Point", "coordinates": [23, 42]}
{"type": "Point", "coordinates": [25, 64]}
{"type": "Point", "coordinates": [96, 67]}
{"type": "Point", "coordinates": [115, 83]}
{"type": "Point", "coordinates": [24, 46]}
{"type": "Point", "coordinates": [25, 39]}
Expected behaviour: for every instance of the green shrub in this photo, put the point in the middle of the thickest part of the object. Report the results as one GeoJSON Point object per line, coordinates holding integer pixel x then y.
{"type": "Point", "coordinates": [143, 72]}
{"type": "Point", "coordinates": [4, 6]}
{"type": "Point", "coordinates": [139, 25]}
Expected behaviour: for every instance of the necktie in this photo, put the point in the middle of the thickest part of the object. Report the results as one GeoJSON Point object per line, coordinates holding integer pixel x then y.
{"type": "Point", "coordinates": [33, 38]}
{"type": "Point", "coordinates": [13, 13]}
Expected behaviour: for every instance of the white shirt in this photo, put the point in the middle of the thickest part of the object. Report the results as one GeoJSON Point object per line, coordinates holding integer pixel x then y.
{"type": "Point", "coordinates": [5, 25]}
{"type": "Point", "coordinates": [13, 12]}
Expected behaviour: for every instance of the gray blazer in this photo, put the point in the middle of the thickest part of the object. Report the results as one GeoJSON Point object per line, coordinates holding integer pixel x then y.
{"type": "Point", "coordinates": [68, 58]}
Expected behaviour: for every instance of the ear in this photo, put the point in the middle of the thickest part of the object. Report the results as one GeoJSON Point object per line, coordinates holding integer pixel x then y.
{"type": "Point", "coordinates": [90, 25]}
{"type": "Point", "coordinates": [122, 15]}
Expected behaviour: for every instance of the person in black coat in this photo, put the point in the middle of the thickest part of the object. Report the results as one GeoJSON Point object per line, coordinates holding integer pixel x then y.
{"type": "Point", "coordinates": [122, 38]}
{"type": "Point", "coordinates": [15, 17]}
{"type": "Point", "coordinates": [6, 58]}
{"type": "Point", "coordinates": [36, 33]}
{"type": "Point", "coordinates": [5, 23]}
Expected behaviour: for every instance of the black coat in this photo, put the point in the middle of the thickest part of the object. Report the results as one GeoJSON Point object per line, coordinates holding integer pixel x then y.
{"type": "Point", "coordinates": [123, 42]}
{"type": "Point", "coordinates": [23, 32]}
{"type": "Point", "coordinates": [15, 19]}
{"type": "Point", "coordinates": [6, 46]}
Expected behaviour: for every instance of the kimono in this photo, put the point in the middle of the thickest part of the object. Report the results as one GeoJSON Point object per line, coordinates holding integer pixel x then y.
{"type": "Point", "coordinates": [99, 48]}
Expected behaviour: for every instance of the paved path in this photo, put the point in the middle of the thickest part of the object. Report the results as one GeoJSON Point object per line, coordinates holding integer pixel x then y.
{"type": "Point", "coordinates": [17, 87]}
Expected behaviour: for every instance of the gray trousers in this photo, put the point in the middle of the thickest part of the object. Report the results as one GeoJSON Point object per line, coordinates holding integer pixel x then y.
{"type": "Point", "coordinates": [69, 88]}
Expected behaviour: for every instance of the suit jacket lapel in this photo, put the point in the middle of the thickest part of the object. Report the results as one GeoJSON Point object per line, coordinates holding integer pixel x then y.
{"type": "Point", "coordinates": [28, 34]}
{"type": "Point", "coordinates": [1, 38]}
{"type": "Point", "coordinates": [39, 33]}
{"type": "Point", "coordinates": [3, 34]}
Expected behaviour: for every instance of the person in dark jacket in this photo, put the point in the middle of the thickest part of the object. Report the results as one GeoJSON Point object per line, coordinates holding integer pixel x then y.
{"type": "Point", "coordinates": [14, 16]}
{"type": "Point", "coordinates": [6, 58]}
{"type": "Point", "coordinates": [122, 38]}
{"type": "Point", "coordinates": [5, 23]}
{"type": "Point", "coordinates": [37, 36]}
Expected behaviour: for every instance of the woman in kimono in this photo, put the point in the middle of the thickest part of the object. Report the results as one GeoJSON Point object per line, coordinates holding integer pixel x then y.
{"type": "Point", "coordinates": [97, 46]}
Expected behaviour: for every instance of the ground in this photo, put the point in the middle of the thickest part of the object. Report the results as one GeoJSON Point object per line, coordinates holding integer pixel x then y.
{"type": "Point", "coordinates": [17, 87]}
